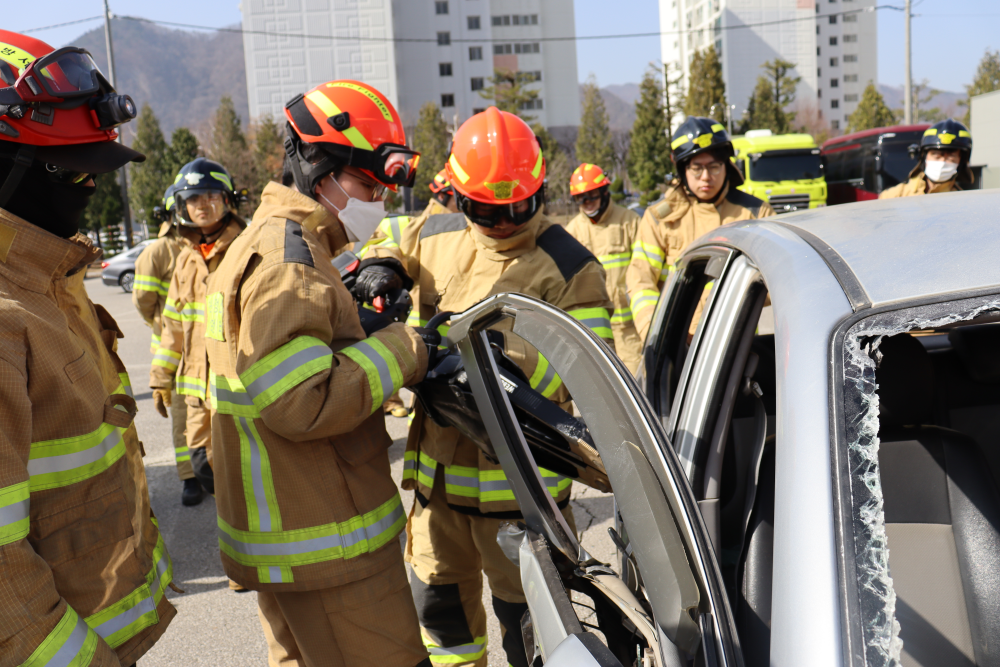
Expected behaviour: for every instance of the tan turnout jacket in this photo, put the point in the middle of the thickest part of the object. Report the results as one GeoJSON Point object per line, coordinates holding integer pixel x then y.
{"type": "Point", "coordinates": [611, 238]}
{"type": "Point", "coordinates": [304, 494]}
{"type": "Point", "coordinates": [454, 267]}
{"type": "Point", "coordinates": [153, 268]}
{"type": "Point", "coordinates": [83, 567]}
{"type": "Point", "coordinates": [181, 355]}
{"type": "Point", "coordinates": [668, 226]}
{"type": "Point", "coordinates": [918, 186]}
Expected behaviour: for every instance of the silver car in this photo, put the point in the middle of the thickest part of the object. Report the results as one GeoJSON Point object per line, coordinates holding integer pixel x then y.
{"type": "Point", "coordinates": [120, 269]}
{"type": "Point", "coordinates": [805, 472]}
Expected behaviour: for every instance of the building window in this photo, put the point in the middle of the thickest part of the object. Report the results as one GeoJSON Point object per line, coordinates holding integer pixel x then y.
{"type": "Point", "coordinates": [532, 104]}
{"type": "Point", "coordinates": [833, 62]}
{"type": "Point", "coordinates": [441, 7]}
{"type": "Point", "coordinates": [525, 19]}
{"type": "Point", "coordinates": [475, 53]}
{"type": "Point", "coordinates": [444, 69]}
{"type": "Point", "coordinates": [819, 93]}
{"type": "Point", "coordinates": [834, 124]}
{"type": "Point", "coordinates": [478, 110]}
{"type": "Point", "coordinates": [833, 41]}
{"type": "Point", "coordinates": [502, 49]}
{"type": "Point", "coordinates": [477, 83]}
{"type": "Point", "coordinates": [819, 72]}
{"type": "Point", "coordinates": [851, 98]}
{"type": "Point", "coordinates": [444, 38]}
{"type": "Point", "coordinates": [833, 19]}
{"type": "Point", "coordinates": [500, 20]}
{"type": "Point", "coordinates": [834, 83]}
{"type": "Point", "coordinates": [850, 59]}
{"type": "Point", "coordinates": [850, 78]}
{"type": "Point", "coordinates": [526, 48]}
{"type": "Point", "coordinates": [533, 76]}
{"type": "Point", "coordinates": [817, 30]}
{"type": "Point", "coordinates": [850, 38]}
{"type": "Point", "coordinates": [834, 104]}
{"type": "Point", "coordinates": [472, 22]}
{"type": "Point", "coordinates": [817, 50]}
{"type": "Point", "coordinates": [851, 18]}
{"type": "Point", "coordinates": [447, 100]}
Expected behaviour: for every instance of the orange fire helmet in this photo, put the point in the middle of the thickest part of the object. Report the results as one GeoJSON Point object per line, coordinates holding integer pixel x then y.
{"type": "Point", "coordinates": [58, 109]}
{"type": "Point", "coordinates": [352, 124]}
{"type": "Point", "coordinates": [440, 184]}
{"type": "Point", "coordinates": [587, 177]}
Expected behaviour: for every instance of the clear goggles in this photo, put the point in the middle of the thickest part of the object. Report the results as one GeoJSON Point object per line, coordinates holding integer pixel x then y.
{"type": "Point", "coordinates": [390, 164]}
{"type": "Point", "coordinates": [64, 74]}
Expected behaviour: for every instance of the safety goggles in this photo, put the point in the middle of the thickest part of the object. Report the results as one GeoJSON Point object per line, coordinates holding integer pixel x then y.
{"type": "Point", "coordinates": [64, 74]}
{"type": "Point", "coordinates": [491, 215]}
{"type": "Point", "coordinates": [390, 164]}
{"type": "Point", "coordinates": [67, 176]}
{"type": "Point", "coordinates": [588, 197]}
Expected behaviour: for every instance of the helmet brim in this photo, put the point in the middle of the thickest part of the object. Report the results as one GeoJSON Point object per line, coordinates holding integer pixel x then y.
{"type": "Point", "coordinates": [93, 158]}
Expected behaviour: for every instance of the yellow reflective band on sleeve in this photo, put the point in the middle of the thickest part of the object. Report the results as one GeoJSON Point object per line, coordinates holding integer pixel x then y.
{"type": "Point", "coordinates": [463, 177]}
{"type": "Point", "coordinates": [537, 169]}
{"type": "Point", "coordinates": [57, 463]}
{"type": "Point", "coordinates": [454, 655]}
{"type": "Point", "coordinates": [295, 361]}
{"type": "Point", "coordinates": [213, 317]}
{"type": "Point", "coordinates": [123, 620]}
{"type": "Point", "coordinates": [384, 374]}
{"type": "Point", "coordinates": [643, 299]}
{"type": "Point", "coordinates": [595, 319]}
{"type": "Point", "coordinates": [170, 310]}
{"type": "Point", "coordinates": [414, 319]}
{"type": "Point", "coordinates": [144, 283]}
{"type": "Point", "coordinates": [650, 253]}
{"type": "Point", "coordinates": [492, 486]}
{"type": "Point", "coordinates": [182, 454]}
{"type": "Point", "coordinates": [154, 343]}
{"type": "Point", "coordinates": [545, 380]}
{"type": "Point", "coordinates": [193, 312]}
{"type": "Point", "coordinates": [70, 644]}
{"type": "Point", "coordinates": [333, 541]}
{"type": "Point", "coordinates": [15, 506]}
{"type": "Point", "coordinates": [126, 387]}
{"type": "Point", "coordinates": [166, 358]}
{"type": "Point", "coordinates": [617, 260]}
{"type": "Point", "coordinates": [258, 481]}
{"type": "Point", "coordinates": [191, 386]}
{"type": "Point", "coordinates": [621, 316]}
{"type": "Point", "coordinates": [420, 467]}
{"type": "Point", "coordinates": [230, 397]}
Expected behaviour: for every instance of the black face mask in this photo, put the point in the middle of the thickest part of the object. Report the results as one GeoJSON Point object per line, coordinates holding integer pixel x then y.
{"type": "Point", "coordinates": [54, 207]}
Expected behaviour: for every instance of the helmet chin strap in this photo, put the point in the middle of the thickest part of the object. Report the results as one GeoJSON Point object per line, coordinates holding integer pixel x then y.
{"type": "Point", "coordinates": [292, 156]}
{"type": "Point", "coordinates": [22, 160]}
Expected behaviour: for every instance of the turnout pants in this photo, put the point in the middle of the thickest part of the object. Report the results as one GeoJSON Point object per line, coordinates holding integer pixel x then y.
{"type": "Point", "coordinates": [178, 423]}
{"type": "Point", "coordinates": [367, 622]}
{"type": "Point", "coordinates": [199, 441]}
{"type": "Point", "coordinates": [449, 552]}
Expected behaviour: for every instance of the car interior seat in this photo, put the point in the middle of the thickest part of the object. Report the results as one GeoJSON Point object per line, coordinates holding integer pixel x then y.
{"type": "Point", "coordinates": [942, 514]}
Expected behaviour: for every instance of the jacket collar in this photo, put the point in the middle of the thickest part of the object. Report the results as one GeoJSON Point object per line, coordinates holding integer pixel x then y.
{"type": "Point", "coordinates": [34, 258]}
{"type": "Point", "coordinates": [926, 186]}
{"type": "Point", "coordinates": [511, 247]}
{"type": "Point", "coordinates": [278, 201]}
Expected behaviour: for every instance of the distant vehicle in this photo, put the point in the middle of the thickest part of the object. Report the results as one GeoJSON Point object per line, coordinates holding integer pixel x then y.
{"type": "Point", "coordinates": [120, 269]}
{"type": "Point", "coordinates": [785, 169]}
{"type": "Point", "coordinates": [861, 165]}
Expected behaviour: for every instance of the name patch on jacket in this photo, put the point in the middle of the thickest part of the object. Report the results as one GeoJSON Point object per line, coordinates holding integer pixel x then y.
{"type": "Point", "coordinates": [569, 254]}
{"type": "Point", "coordinates": [296, 249]}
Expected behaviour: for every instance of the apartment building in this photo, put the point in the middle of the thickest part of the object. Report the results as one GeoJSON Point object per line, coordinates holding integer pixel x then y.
{"type": "Point", "coordinates": [832, 42]}
{"type": "Point", "coordinates": [415, 51]}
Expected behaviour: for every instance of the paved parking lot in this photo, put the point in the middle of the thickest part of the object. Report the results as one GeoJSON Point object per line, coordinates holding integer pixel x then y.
{"type": "Point", "coordinates": [216, 627]}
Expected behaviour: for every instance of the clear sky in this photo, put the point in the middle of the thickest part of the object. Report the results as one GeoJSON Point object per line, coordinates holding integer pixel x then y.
{"type": "Point", "coordinates": [949, 36]}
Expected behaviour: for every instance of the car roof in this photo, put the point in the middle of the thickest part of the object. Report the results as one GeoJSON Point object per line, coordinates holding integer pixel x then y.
{"type": "Point", "coordinates": [848, 138]}
{"type": "Point", "coordinates": [907, 248]}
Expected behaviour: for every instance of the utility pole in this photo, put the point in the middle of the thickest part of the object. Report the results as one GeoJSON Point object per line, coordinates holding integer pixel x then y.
{"type": "Point", "coordinates": [908, 85]}
{"type": "Point", "coordinates": [124, 169]}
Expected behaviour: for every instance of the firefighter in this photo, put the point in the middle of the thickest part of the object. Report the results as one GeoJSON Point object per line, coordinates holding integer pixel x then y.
{"type": "Point", "coordinates": [205, 208]}
{"type": "Point", "coordinates": [443, 200]}
{"type": "Point", "coordinates": [309, 515]}
{"type": "Point", "coordinates": [83, 567]}
{"type": "Point", "coordinates": [500, 242]}
{"type": "Point", "coordinates": [945, 150]}
{"type": "Point", "coordinates": [153, 269]}
{"type": "Point", "coordinates": [703, 197]}
{"type": "Point", "coordinates": [608, 230]}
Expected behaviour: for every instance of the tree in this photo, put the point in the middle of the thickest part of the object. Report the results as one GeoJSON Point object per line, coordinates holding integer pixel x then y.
{"type": "Point", "coordinates": [104, 211]}
{"type": "Point", "coordinates": [987, 80]}
{"type": "Point", "coordinates": [673, 95]}
{"type": "Point", "coordinates": [148, 179]}
{"type": "Point", "coordinates": [706, 89]}
{"type": "Point", "coordinates": [183, 149]}
{"type": "Point", "coordinates": [921, 114]}
{"type": "Point", "coordinates": [649, 152]}
{"type": "Point", "coordinates": [617, 190]}
{"type": "Point", "coordinates": [593, 141]}
{"type": "Point", "coordinates": [774, 93]}
{"type": "Point", "coordinates": [430, 138]}
{"type": "Point", "coordinates": [229, 147]}
{"type": "Point", "coordinates": [268, 154]}
{"type": "Point", "coordinates": [558, 171]}
{"type": "Point", "coordinates": [509, 92]}
{"type": "Point", "coordinates": [872, 111]}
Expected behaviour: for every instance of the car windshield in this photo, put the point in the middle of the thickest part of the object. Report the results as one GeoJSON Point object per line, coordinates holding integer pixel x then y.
{"type": "Point", "coordinates": [896, 161]}
{"type": "Point", "coordinates": [786, 167]}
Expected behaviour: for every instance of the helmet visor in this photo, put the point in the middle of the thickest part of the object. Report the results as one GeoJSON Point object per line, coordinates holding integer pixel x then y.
{"type": "Point", "coordinates": [214, 200]}
{"type": "Point", "coordinates": [63, 74]}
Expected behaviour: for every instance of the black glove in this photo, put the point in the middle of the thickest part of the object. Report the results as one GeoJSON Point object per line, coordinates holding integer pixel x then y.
{"type": "Point", "coordinates": [378, 275]}
{"type": "Point", "coordinates": [432, 339]}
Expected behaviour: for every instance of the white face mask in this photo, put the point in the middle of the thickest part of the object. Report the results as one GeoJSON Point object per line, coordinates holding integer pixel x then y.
{"type": "Point", "coordinates": [940, 171]}
{"type": "Point", "coordinates": [360, 219]}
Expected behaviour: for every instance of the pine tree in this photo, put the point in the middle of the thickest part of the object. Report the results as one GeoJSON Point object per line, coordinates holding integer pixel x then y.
{"type": "Point", "coordinates": [558, 171]}
{"type": "Point", "coordinates": [148, 180]}
{"type": "Point", "coordinates": [872, 111]}
{"type": "Point", "coordinates": [617, 190]}
{"type": "Point", "coordinates": [673, 95]}
{"type": "Point", "coordinates": [921, 99]}
{"type": "Point", "coordinates": [183, 149]}
{"type": "Point", "coordinates": [509, 92]}
{"type": "Point", "coordinates": [706, 89]}
{"type": "Point", "coordinates": [230, 148]}
{"type": "Point", "coordinates": [987, 80]}
{"type": "Point", "coordinates": [649, 153]}
{"type": "Point", "coordinates": [430, 138]}
{"type": "Point", "coordinates": [593, 141]}
{"type": "Point", "coordinates": [782, 87]}
{"type": "Point", "coordinates": [268, 155]}
{"type": "Point", "coordinates": [104, 212]}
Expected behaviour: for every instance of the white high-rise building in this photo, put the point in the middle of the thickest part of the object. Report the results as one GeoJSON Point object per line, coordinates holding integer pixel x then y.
{"type": "Point", "coordinates": [836, 54]}
{"type": "Point", "coordinates": [467, 40]}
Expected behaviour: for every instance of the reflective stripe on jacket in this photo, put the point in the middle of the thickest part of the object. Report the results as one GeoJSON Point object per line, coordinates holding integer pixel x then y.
{"type": "Point", "coordinates": [83, 568]}
{"type": "Point", "coordinates": [917, 186]}
{"type": "Point", "coordinates": [454, 268]}
{"type": "Point", "coordinates": [303, 489]}
{"type": "Point", "coordinates": [181, 355]}
{"type": "Point", "coordinates": [611, 239]}
{"type": "Point", "coordinates": [153, 268]}
{"type": "Point", "coordinates": [667, 227]}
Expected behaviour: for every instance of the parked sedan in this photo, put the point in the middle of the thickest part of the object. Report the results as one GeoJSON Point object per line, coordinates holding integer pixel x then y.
{"type": "Point", "coordinates": [806, 472]}
{"type": "Point", "coordinates": [120, 269]}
